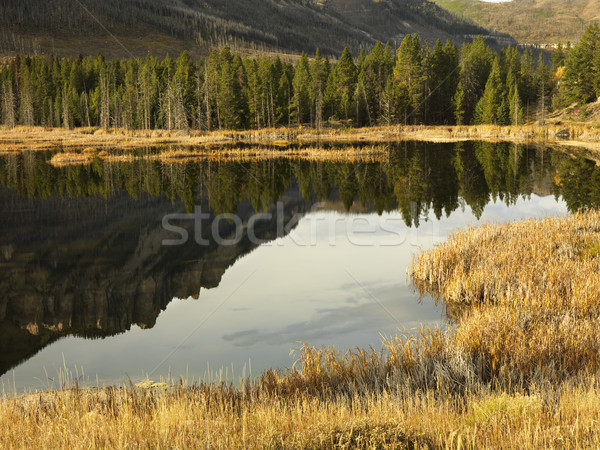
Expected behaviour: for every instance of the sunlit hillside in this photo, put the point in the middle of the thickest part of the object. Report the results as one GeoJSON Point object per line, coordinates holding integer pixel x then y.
{"type": "Point", "coordinates": [530, 21]}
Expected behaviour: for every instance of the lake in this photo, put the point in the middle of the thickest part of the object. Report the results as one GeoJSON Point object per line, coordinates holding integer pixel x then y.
{"type": "Point", "coordinates": [216, 270]}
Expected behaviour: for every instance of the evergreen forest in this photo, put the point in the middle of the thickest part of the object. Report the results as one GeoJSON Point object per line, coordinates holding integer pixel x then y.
{"type": "Point", "coordinates": [414, 84]}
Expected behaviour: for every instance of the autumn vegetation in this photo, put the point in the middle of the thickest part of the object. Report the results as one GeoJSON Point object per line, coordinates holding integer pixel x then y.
{"type": "Point", "coordinates": [535, 22]}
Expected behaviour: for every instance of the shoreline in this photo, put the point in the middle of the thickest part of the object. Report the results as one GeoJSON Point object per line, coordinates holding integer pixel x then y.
{"type": "Point", "coordinates": [39, 138]}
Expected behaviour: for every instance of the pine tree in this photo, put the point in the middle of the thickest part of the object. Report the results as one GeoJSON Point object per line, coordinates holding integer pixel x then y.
{"type": "Point", "coordinates": [318, 77]}
{"type": "Point", "coordinates": [516, 110]}
{"type": "Point", "coordinates": [543, 84]}
{"type": "Point", "coordinates": [409, 75]}
{"type": "Point", "coordinates": [284, 101]}
{"type": "Point", "coordinates": [581, 68]}
{"type": "Point", "coordinates": [443, 82]}
{"type": "Point", "coordinates": [476, 64]}
{"type": "Point", "coordinates": [147, 86]}
{"type": "Point", "coordinates": [26, 96]}
{"type": "Point", "coordinates": [459, 104]}
{"type": "Point", "coordinates": [558, 57]}
{"type": "Point", "coordinates": [491, 100]}
{"type": "Point", "coordinates": [345, 83]}
{"type": "Point", "coordinates": [301, 84]}
{"type": "Point", "coordinates": [211, 90]}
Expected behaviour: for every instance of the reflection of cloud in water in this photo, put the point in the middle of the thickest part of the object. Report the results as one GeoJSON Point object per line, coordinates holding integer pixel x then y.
{"type": "Point", "coordinates": [361, 313]}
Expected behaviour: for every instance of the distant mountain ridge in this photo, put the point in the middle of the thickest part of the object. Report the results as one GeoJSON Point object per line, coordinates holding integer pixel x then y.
{"type": "Point", "coordinates": [159, 26]}
{"type": "Point", "coordinates": [533, 22]}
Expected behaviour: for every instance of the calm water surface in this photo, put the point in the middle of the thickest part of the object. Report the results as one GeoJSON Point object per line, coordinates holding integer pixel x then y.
{"type": "Point", "coordinates": [88, 283]}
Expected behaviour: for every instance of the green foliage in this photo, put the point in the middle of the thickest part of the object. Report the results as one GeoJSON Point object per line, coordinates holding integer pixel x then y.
{"type": "Point", "coordinates": [581, 81]}
{"type": "Point", "coordinates": [489, 109]}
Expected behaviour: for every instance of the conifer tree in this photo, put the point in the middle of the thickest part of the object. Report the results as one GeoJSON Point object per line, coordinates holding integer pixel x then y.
{"type": "Point", "coordinates": [301, 84]}
{"type": "Point", "coordinates": [8, 104]}
{"type": "Point", "coordinates": [543, 83]}
{"type": "Point", "coordinates": [409, 75]}
{"type": "Point", "coordinates": [491, 101]}
{"type": "Point", "coordinates": [581, 68]}
{"type": "Point", "coordinates": [318, 77]}
{"type": "Point", "coordinates": [345, 83]}
{"type": "Point", "coordinates": [476, 64]}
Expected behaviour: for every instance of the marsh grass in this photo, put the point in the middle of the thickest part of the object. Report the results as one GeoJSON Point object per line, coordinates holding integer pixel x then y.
{"type": "Point", "coordinates": [526, 295]}
{"type": "Point", "coordinates": [357, 400]}
{"type": "Point", "coordinates": [173, 153]}
{"type": "Point", "coordinates": [38, 138]}
{"type": "Point", "coordinates": [519, 368]}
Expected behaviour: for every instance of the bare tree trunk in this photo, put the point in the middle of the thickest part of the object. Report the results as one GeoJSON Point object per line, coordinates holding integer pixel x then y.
{"type": "Point", "coordinates": [65, 109]}
{"type": "Point", "coordinates": [86, 109]}
{"type": "Point", "coordinates": [8, 105]}
{"type": "Point", "coordinates": [104, 103]}
{"type": "Point", "coordinates": [207, 98]}
{"type": "Point", "coordinates": [50, 121]}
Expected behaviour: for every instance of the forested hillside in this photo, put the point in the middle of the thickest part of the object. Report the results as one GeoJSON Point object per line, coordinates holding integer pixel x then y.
{"type": "Point", "coordinates": [69, 27]}
{"type": "Point", "coordinates": [541, 22]}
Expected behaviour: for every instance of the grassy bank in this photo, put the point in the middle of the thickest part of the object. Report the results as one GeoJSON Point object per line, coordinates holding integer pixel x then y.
{"type": "Point", "coordinates": [38, 138]}
{"type": "Point", "coordinates": [518, 369]}
{"type": "Point", "coordinates": [207, 417]}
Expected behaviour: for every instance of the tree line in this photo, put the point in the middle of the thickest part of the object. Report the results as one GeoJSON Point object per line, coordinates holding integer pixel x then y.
{"type": "Point", "coordinates": [415, 84]}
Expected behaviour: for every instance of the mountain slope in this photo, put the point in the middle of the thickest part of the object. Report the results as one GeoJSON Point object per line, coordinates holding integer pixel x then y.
{"type": "Point", "coordinates": [158, 26]}
{"type": "Point", "coordinates": [543, 22]}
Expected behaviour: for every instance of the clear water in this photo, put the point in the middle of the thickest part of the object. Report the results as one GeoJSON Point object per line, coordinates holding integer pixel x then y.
{"type": "Point", "coordinates": [89, 284]}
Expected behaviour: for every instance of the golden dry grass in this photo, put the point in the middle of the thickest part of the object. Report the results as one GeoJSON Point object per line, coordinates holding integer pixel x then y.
{"type": "Point", "coordinates": [38, 138]}
{"type": "Point", "coordinates": [525, 296]}
{"type": "Point", "coordinates": [73, 158]}
{"type": "Point", "coordinates": [348, 153]}
{"type": "Point", "coordinates": [305, 409]}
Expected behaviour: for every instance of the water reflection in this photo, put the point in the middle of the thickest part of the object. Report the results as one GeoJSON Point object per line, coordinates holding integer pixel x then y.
{"type": "Point", "coordinates": [81, 251]}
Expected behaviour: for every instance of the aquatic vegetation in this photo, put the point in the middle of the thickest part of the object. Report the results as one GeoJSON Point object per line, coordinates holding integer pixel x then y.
{"type": "Point", "coordinates": [525, 296]}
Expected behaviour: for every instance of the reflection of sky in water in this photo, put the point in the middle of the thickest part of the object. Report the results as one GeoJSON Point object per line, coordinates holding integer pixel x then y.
{"type": "Point", "coordinates": [297, 289]}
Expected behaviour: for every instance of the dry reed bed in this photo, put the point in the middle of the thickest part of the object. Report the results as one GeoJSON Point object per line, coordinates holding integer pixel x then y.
{"type": "Point", "coordinates": [286, 412]}
{"type": "Point", "coordinates": [526, 296]}
{"type": "Point", "coordinates": [39, 138]}
{"type": "Point", "coordinates": [346, 154]}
